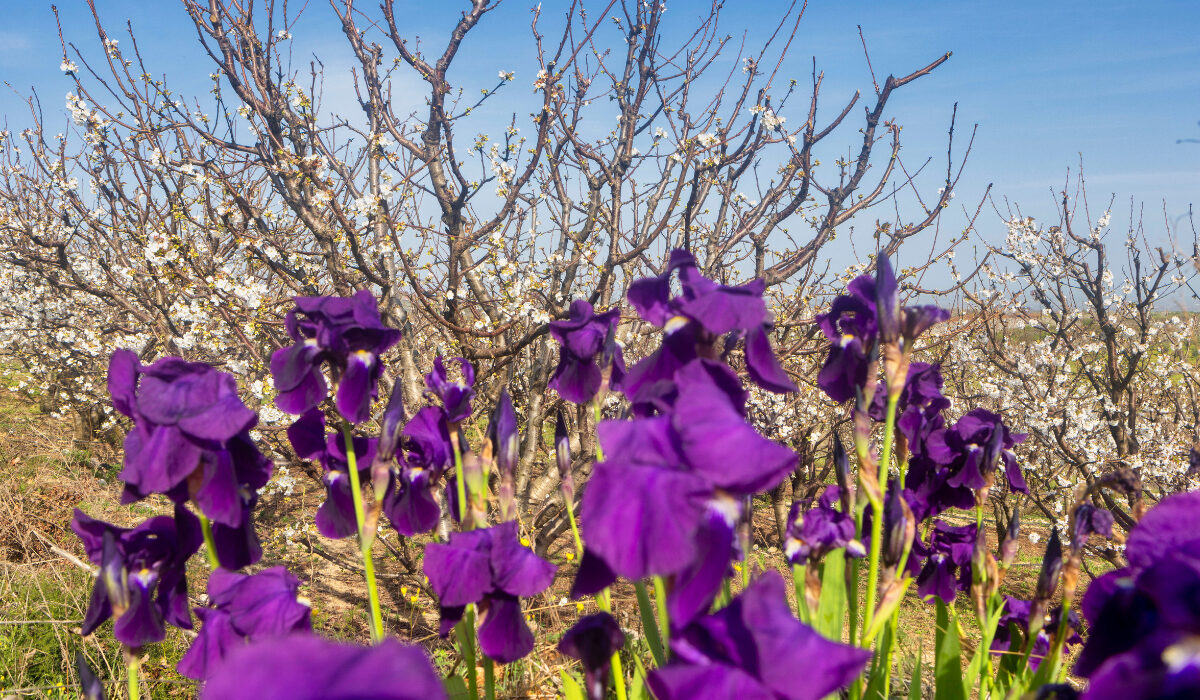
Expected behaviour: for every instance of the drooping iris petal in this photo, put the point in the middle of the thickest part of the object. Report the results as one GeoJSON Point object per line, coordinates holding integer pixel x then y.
{"type": "Point", "coordinates": [763, 366]}
{"type": "Point", "coordinates": [460, 570]}
{"type": "Point", "coordinates": [123, 368]}
{"type": "Point", "coordinates": [515, 568]}
{"type": "Point", "coordinates": [219, 494]}
{"type": "Point", "coordinates": [594, 575]}
{"type": "Point", "coordinates": [335, 517]}
{"type": "Point", "coordinates": [642, 520]}
{"type": "Point", "coordinates": [307, 667]}
{"type": "Point", "coordinates": [696, 587]}
{"type": "Point", "coordinates": [359, 386]}
{"type": "Point", "coordinates": [503, 634]}
{"type": "Point", "coordinates": [718, 442]}
{"type": "Point", "coordinates": [307, 435]}
{"type": "Point", "coordinates": [239, 546]}
{"type": "Point", "coordinates": [299, 382]}
{"type": "Point", "coordinates": [593, 640]}
{"type": "Point", "coordinates": [678, 348]}
{"type": "Point", "coordinates": [216, 639]}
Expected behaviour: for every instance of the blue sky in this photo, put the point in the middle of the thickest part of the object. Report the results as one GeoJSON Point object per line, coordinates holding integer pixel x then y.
{"type": "Point", "coordinates": [1116, 83]}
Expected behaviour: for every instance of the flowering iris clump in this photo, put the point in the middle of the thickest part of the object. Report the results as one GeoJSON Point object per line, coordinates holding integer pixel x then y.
{"type": "Point", "coordinates": [306, 667]}
{"type": "Point", "coordinates": [1144, 628]}
{"type": "Point", "coordinates": [142, 582]}
{"type": "Point", "coordinates": [490, 568]}
{"type": "Point", "coordinates": [347, 335]}
{"type": "Point", "coordinates": [245, 609]}
{"type": "Point", "coordinates": [581, 338]}
{"type": "Point", "coordinates": [754, 648]}
{"type": "Point", "coordinates": [191, 441]}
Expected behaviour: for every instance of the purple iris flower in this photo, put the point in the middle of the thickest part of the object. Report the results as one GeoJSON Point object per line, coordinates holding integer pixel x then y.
{"type": "Point", "coordinates": [191, 441]}
{"type": "Point", "coordinates": [819, 530]}
{"type": "Point", "coordinates": [753, 648]}
{"type": "Point", "coordinates": [245, 608]}
{"type": "Point", "coordinates": [1143, 620]}
{"type": "Point", "coordinates": [142, 582]}
{"type": "Point", "coordinates": [851, 325]}
{"type": "Point", "coordinates": [346, 333]}
{"type": "Point", "coordinates": [1016, 613]}
{"type": "Point", "coordinates": [593, 640]}
{"type": "Point", "coordinates": [948, 554]}
{"type": "Point", "coordinates": [335, 517]}
{"type": "Point", "coordinates": [695, 320]}
{"type": "Point", "coordinates": [974, 448]}
{"type": "Point", "coordinates": [581, 339]}
{"type": "Point", "coordinates": [425, 455]}
{"type": "Point", "coordinates": [455, 395]}
{"type": "Point", "coordinates": [672, 488]}
{"type": "Point", "coordinates": [307, 667]}
{"type": "Point", "coordinates": [492, 569]}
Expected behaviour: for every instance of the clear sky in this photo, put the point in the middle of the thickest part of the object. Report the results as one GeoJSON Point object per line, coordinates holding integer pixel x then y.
{"type": "Point", "coordinates": [1114, 83]}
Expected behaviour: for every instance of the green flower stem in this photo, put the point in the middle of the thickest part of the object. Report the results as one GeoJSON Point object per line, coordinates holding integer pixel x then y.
{"type": "Point", "coordinates": [664, 620]}
{"type": "Point", "coordinates": [131, 667]}
{"type": "Point", "coordinates": [489, 678]}
{"type": "Point", "coordinates": [460, 483]}
{"type": "Point", "coordinates": [466, 644]}
{"type": "Point", "coordinates": [603, 603]}
{"type": "Point", "coordinates": [799, 578]}
{"type": "Point", "coordinates": [602, 599]}
{"type": "Point", "coordinates": [365, 540]}
{"type": "Point", "coordinates": [210, 547]}
{"type": "Point", "coordinates": [885, 457]}
{"type": "Point", "coordinates": [570, 505]}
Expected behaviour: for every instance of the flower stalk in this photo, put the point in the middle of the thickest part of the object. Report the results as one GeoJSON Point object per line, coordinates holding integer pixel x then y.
{"type": "Point", "coordinates": [365, 540]}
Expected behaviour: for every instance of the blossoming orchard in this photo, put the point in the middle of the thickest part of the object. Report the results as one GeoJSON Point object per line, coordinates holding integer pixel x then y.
{"type": "Point", "coordinates": [564, 386]}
